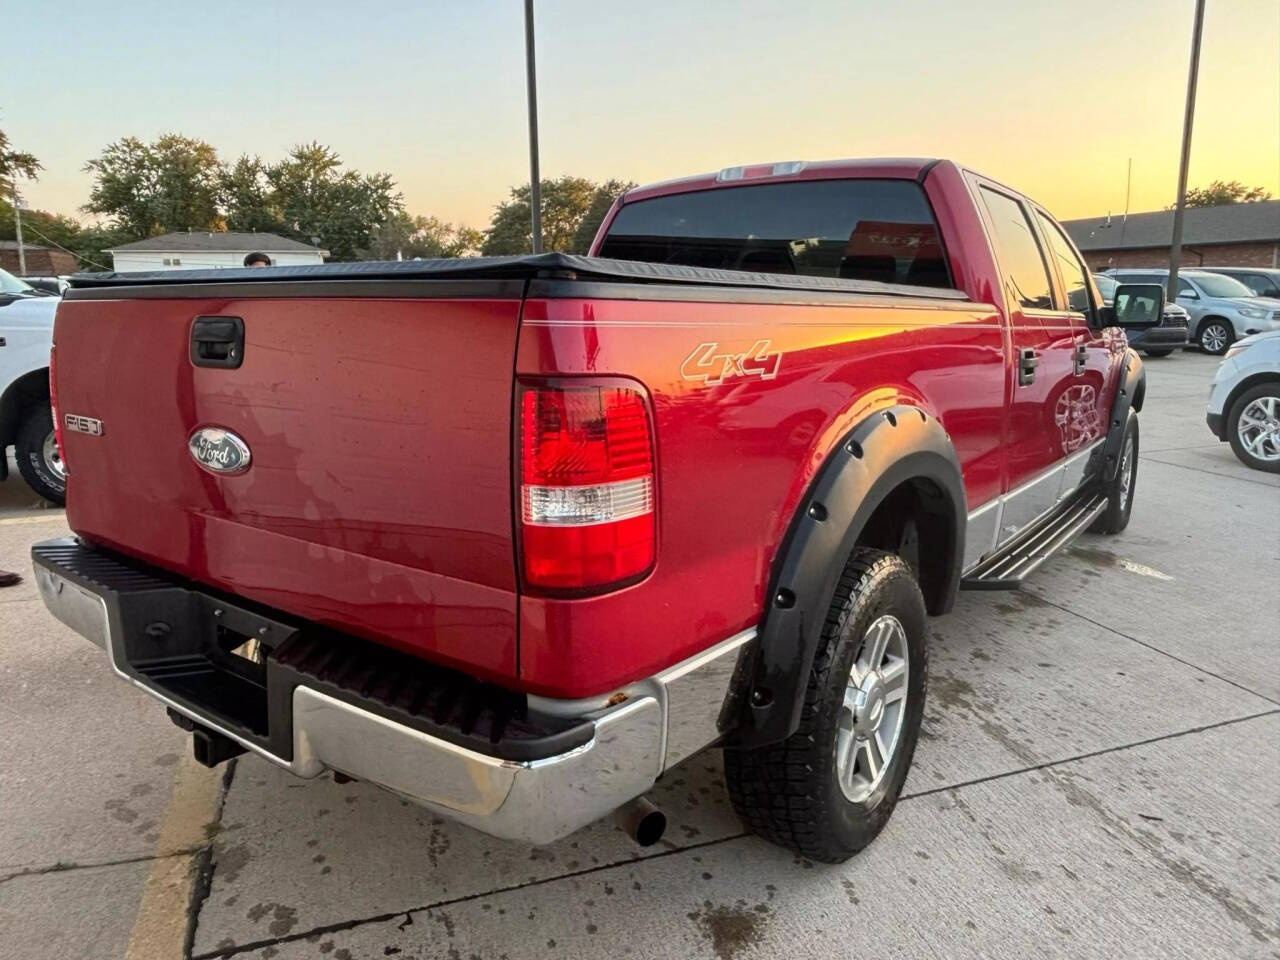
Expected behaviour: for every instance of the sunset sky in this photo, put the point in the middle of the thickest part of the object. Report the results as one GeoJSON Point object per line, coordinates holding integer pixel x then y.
{"type": "Point", "coordinates": [1052, 98]}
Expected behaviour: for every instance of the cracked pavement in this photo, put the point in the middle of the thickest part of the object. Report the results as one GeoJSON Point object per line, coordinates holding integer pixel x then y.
{"type": "Point", "coordinates": [1098, 775]}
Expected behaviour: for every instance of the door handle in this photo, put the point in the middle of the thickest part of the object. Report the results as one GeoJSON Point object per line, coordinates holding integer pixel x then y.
{"type": "Point", "coordinates": [1027, 363]}
{"type": "Point", "coordinates": [217, 342]}
{"type": "Point", "coordinates": [1082, 358]}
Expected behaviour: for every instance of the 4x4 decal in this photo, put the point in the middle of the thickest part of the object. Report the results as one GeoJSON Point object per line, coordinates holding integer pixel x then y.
{"type": "Point", "coordinates": [708, 364]}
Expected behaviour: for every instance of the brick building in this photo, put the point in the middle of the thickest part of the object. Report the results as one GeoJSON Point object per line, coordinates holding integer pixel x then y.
{"type": "Point", "coordinates": [1231, 235]}
{"type": "Point", "coordinates": [41, 261]}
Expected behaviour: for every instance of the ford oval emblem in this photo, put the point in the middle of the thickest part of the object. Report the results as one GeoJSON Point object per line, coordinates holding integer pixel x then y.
{"type": "Point", "coordinates": [219, 451]}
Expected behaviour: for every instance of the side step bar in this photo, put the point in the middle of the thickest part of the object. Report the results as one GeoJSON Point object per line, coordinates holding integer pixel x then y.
{"type": "Point", "coordinates": [1013, 562]}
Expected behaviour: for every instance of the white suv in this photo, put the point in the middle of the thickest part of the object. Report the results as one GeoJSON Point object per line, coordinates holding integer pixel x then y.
{"type": "Point", "coordinates": [1244, 402]}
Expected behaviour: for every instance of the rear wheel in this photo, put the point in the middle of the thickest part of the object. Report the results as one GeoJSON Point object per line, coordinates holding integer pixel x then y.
{"type": "Point", "coordinates": [1253, 427]}
{"type": "Point", "coordinates": [829, 789]}
{"type": "Point", "coordinates": [38, 458]}
{"type": "Point", "coordinates": [1216, 335]}
{"type": "Point", "coordinates": [1120, 490]}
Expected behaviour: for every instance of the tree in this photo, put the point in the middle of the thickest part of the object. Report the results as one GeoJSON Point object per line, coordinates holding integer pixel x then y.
{"type": "Point", "coordinates": [427, 237]}
{"type": "Point", "coordinates": [319, 202]}
{"type": "Point", "coordinates": [605, 194]}
{"type": "Point", "coordinates": [57, 230]}
{"type": "Point", "coordinates": [153, 188]}
{"type": "Point", "coordinates": [248, 199]}
{"type": "Point", "coordinates": [1220, 192]}
{"type": "Point", "coordinates": [565, 203]}
{"type": "Point", "coordinates": [14, 164]}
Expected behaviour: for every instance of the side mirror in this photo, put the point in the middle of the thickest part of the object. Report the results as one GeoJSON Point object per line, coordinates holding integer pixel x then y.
{"type": "Point", "coordinates": [1137, 306]}
{"type": "Point", "coordinates": [1188, 295]}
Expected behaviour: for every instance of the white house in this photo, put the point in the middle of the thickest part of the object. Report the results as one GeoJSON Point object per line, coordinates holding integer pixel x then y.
{"type": "Point", "coordinates": [202, 250]}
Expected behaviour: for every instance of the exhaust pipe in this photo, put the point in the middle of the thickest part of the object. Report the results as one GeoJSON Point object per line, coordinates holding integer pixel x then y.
{"type": "Point", "coordinates": [641, 821]}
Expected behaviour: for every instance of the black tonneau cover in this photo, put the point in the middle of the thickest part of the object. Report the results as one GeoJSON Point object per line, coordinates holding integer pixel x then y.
{"type": "Point", "coordinates": [552, 266]}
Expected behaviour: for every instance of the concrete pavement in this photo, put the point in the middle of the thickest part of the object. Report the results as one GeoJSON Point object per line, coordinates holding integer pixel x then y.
{"type": "Point", "coordinates": [1099, 775]}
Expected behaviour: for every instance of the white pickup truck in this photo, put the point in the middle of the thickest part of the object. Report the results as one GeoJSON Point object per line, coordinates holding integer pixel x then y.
{"type": "Point", "coordinates": [26, 423]}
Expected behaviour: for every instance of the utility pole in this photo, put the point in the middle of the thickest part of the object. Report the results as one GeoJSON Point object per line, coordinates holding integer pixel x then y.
{"type": "Point", "coordinates": [531, 85]}
{"type": "Point", "coordinates": [17, 227]}
{"type": "Point", "coordinates": [1175, 246]}
{"type": "Point", "coordinates": [1128, 182]}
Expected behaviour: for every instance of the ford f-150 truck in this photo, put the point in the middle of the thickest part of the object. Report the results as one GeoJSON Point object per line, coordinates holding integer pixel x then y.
{"type": "Point", "coordinates": [513, 537]}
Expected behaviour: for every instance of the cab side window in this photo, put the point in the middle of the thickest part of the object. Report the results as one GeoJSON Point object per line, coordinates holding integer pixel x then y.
{"type": "Point", "coordinates": [1069, 268]}
{"type": "Point", "coordinates": [1018, 251]}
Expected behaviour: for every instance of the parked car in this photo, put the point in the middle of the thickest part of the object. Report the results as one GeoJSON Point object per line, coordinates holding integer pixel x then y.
{"type": "Point", "coordinates": [52, 286]}
{"type": "Point", "coordinates": [513, 537]}
{"type": "Point", "coordinates": [1158, 341]}
{"type": "Point", "coordinates": [1222, 308]}
{"type": "Point", "coordinates": [26, 422]}
{"type": "Point", "coordinates": [1244, 402]}
{"type": "Point", "coordinates": [1263, 281]}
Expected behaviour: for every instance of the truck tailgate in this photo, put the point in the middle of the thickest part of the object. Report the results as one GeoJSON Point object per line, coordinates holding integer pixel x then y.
{"type": "Point", "coordinates": [378, 495]}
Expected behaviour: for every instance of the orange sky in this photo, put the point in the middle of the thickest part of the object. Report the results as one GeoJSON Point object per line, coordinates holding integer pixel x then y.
{"type": "Point", "coordinates": [1051, 98]}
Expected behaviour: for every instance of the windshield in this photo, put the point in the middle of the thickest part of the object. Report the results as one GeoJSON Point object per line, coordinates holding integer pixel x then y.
{"type": "Point", "coordinates": [11, 284]}
{"type": "Point", "coordinates": [1106, 286]}
{"type": "Point", "coordinates": [1216, 285]}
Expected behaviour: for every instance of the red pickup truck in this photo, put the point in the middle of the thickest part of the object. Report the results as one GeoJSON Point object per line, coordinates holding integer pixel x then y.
{"type": "Point", "coordinates": [512, 537]}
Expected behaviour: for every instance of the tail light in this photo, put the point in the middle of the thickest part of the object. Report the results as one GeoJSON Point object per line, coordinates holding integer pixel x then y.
{"type": "Point", "coordinates": [53, 404]}
{"type": "Point", "coordinates": [587, 516]}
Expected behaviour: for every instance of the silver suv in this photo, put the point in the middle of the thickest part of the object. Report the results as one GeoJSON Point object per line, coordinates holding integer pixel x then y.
{"type": "Point", "coordinates": [1222, 309]}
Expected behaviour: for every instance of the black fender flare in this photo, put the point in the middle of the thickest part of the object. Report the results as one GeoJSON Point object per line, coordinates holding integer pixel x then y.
{"type": "Point", "coordinates": [1131, 392]}
{"type": "Point", "coordinates": [883, 451]}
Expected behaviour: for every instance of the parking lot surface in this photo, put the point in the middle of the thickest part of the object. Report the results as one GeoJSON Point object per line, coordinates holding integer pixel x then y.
{"type": "Point", "coordinates": [1098, 775]}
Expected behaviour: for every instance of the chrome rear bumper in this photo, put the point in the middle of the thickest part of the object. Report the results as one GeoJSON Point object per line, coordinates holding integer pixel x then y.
{"type": "Point", "coordinates": [638, 732]}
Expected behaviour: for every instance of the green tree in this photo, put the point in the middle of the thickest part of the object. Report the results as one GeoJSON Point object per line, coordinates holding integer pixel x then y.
{"type": "Point", "coordinates": [14, 164]}
{"type": "Point", "coordinates": [57, 230]}
{"type": "Point", "coordinates": [426, 237]}
{"type": "Point", "coordinates": [565, 203]}
{"type": "Point", "coordinates": [1223, 191]}
{"type": "Point", "coordinates": [320, 202]}
{"type": "Point", "coordinates": [153, 188]}
{"type": "Point", "coordinates": [605, 194]}
{"type": "Point", "coordinates": [248, 198]}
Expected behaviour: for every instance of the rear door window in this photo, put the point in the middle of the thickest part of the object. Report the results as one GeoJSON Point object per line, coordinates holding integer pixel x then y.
{"type": "Point", "coordinates": [1069, 268]}
{"type": "Point", "coordinates": [855, 229]}
{"type": "Point", "coordinates": [1018, 251]}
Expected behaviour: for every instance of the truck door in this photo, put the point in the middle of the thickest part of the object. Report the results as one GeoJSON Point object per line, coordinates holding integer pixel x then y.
{"type": "Point", "coordinates": [1038, 436]}
{"type": "Point", "coordinates": [1082, 414]}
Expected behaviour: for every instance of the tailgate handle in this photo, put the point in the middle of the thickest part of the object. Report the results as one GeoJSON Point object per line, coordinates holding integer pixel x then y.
{"type": "Point", "coordinates": [217, 342]}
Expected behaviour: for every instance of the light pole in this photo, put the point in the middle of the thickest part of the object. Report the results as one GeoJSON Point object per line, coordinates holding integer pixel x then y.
{"type": "Point", "coordinates": [17, 227]}
{"type": "Point", "coordinates": [1175, 245]}
{"type": "Point", "coordinates": [531, 85]}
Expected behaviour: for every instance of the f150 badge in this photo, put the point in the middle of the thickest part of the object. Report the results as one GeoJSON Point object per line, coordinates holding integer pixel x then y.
{"type": "Point", "coordinates": [711, 365]}
{"type": "Point", "coordinates": [219, 451]}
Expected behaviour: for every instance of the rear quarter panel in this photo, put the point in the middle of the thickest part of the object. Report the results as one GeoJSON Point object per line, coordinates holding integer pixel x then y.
{"type": "Point", "coordinates": [735, 455]}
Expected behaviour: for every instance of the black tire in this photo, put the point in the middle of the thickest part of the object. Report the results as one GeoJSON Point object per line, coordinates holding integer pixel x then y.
{"type": "Point", "coordinates": [1157, 353]}
{"type": "Point", "coordinates": [788, 792]}
{"type": "Point", "coordinates": [41, 470]}
{"type": "Point", "coordinates": [1263, 391]}
{"type": "Point", "coordinates": [1119, 493]}
{"type": "Point", "coordinates": [1220, 334]}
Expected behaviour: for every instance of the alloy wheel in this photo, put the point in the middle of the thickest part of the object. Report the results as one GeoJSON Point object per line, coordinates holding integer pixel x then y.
{"type": "Point", "coordinates": [53, 457]}
{"type": "Point", "coordinates": [1214, 338]}
{"type": "Point", "coordinates": [1126, 472]}
{"type": "Point", "coordinates": [875, 703]}
{"type": "Point", "coordinates": [1259, 428]}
